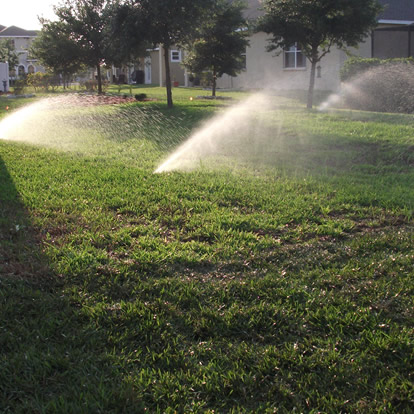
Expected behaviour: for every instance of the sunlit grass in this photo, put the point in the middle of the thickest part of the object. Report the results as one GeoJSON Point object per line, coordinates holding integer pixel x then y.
{"type": "Point", "coordinates": [278, 282]}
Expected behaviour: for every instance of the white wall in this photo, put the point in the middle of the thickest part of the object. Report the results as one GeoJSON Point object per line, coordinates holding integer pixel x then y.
{"type": "Point", "coordinates": [4, 76]}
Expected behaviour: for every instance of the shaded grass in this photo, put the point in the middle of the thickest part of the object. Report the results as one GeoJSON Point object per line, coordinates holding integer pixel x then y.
{"type": "Point", "coordinates": [257, 288]}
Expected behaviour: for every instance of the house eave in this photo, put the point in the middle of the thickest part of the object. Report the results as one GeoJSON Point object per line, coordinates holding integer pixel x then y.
{"type": "Point", "coordinates": [13, 36]}
{"type": "Point", "coordinates": [396, 22]}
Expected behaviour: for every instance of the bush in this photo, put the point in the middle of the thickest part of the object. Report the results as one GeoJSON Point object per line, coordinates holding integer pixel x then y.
{"type": "Point", "coordinates": [379, 85]}
{"type": "Point", "coordinates": [19, 86]}
{"type": "Point", "coordinates": [357, 66]}
{"type": "Point", "coordinates": [141, 96]}
{"type": "Point", "coordinates": [43, 81]}
{"type": "Point", "coordinates": [35, 80]}
{"type": "Point", "coordinates": [92, 85]}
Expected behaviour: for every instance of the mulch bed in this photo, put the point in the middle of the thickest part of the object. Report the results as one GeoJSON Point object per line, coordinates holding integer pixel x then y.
{"type": "Point", "coordinates": [89, 100]}
{"type": "Point", "coordinates": [219, 98]}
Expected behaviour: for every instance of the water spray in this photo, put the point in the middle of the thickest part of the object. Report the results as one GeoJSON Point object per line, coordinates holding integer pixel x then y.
{"type": "Point", "coordinates": [224, 135]}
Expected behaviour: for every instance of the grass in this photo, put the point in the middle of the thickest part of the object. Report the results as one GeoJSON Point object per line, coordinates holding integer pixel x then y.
{"type": "Point", "coordinates": [279, 282]}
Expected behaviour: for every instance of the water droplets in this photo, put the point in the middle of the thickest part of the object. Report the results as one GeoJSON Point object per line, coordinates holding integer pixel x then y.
{"type": "Point", "coordinates": [237, 133]}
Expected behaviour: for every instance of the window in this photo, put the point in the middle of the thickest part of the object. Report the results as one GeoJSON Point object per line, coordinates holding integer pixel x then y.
{"type": "Point", "coordinates": [175, 55]}
{"type": "Point", "coordinates": [294, 58]}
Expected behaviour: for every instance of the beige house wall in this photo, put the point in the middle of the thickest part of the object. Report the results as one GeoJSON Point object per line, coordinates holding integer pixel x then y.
{"type": "Point", "coordinates": [22, 46]}
{"type": "Point", "coordinates": [265, 70]}
{"type": "Point", "coordinates": [155, 67]}
{"type": "Point", "coordinates": [176, 69]}
{"type": "Point", "coordinates": [177, 73]}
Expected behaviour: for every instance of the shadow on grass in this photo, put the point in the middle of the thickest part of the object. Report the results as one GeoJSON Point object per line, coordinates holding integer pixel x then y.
{"type": "Point", "coordinates": [144, 330]}
{"type": "Point", "coordinates": [52, 357]}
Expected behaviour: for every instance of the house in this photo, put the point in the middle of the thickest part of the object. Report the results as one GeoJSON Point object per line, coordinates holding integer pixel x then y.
{"type": "Point", "coordinates": [394, 37]}
{"type": "Point", "coordinates": [289, 70]}
{"type": "Point", "coordinates": [151, 69]}
{"type": "Point", "coordinates": [22, 40]}
{"type": "Point", "coordinates": [155, 67]}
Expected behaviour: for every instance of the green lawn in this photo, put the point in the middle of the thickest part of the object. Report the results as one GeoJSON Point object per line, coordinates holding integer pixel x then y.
{"type": "Point", "coordinates": [275, 278]}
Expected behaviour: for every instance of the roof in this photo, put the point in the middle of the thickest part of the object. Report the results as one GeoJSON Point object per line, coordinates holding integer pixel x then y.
{"type": "Point", "coordinates": [400, 10]}
{"type": "Point", "coordinates": [14, 31]}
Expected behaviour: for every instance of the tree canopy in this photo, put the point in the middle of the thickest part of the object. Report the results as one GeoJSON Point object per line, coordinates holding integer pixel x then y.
{"type": "Point", "coordinates": [8, 53]}
{"type": "Point", "coordinates": [167, 23]}
{"type": "Point", "coordinates": [87, 24]}
{"type": "Point", "coordinates": [317, 25]}
{"type": "Point", "coordinates": [220, 42]}
{"type": "Point", "coordinates": [129, 31]}
{"type": "Point", "coordinates": [57, 50]}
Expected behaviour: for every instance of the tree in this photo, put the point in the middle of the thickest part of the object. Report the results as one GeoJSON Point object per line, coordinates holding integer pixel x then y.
{"type": "Point", "coordinates": [172, 22]}
{"type": "Point", "coordinates": [167, 23]}
{"type": "Point", "coordinates": [87, 24]}
{"type": "Point", "coordinates": [8, 53]}
{"type": "Point", "coordinates": [220, 42]}
{"type": "Point", "coordinates": [317, 25]}
{"type": "Point", "coordinates": [129, 31]}
{"type": "Point", "coordinates": [57, 50]}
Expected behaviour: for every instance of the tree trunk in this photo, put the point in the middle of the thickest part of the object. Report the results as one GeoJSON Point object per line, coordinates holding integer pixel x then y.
{"type": "Point", "coordinates": [311, 83]}
{"type": "Point", "coordinates": [213, 92]}
{"type": "Point", "coordinates": [98, 71]}
{"type": "Point", "coordinates": [168, 76]}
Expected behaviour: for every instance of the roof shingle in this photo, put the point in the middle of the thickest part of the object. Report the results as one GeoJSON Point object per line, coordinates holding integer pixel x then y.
{"type": "Point", "coordinates": [401, 10]}
{"type": "Point", "coordinates": [13, 31]}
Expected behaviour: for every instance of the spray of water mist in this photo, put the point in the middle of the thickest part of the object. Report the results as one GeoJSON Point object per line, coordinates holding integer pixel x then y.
{"type": "Point", "coordinates": [238, 132]}
{"type": "Point", "coordinates": [386, 88]}
{"type": "Point", "coordinates": [73, 123]}
{"type": "Point", "coordinates": [14, 126]}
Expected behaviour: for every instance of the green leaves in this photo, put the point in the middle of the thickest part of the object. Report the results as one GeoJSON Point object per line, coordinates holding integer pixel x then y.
{"type": "Point", "coordinates": [220, 42]}
{"type": "Point", "coordinates": [8, 53]}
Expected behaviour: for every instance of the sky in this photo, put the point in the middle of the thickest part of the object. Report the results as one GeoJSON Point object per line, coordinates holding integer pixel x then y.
{"type": "Point", "coordinates": [23, 13]}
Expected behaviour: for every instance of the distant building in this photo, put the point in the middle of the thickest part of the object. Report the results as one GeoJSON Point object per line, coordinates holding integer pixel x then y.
{"type": "Point", "coordinates": [290, 70]}
{"type": "Point", "coordinates": [151, 69]}
{"type": "Point", "coordinates": [22, 40]}
{"type": "Point", "coordinates": [393, 38]}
